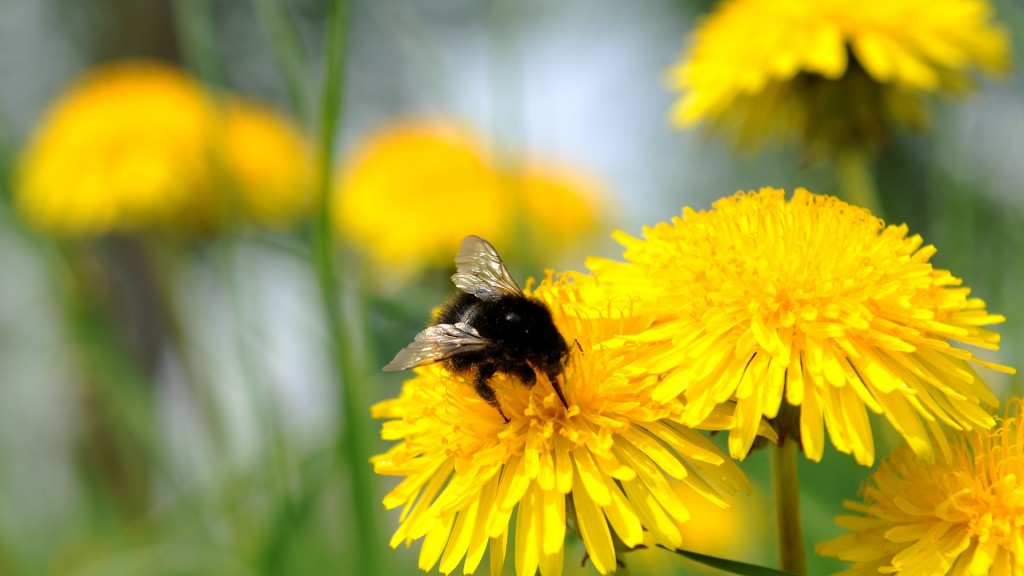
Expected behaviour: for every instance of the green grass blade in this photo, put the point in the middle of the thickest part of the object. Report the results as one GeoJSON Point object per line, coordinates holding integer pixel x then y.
{"type": "Point", "coordinates": [731, 566]}
{"type": "Point", "coordinates": [290, 55]}
{"type": "Point", "coordinates": [198, 40]}
{"type": "Point", "coordinates": [347, 333]}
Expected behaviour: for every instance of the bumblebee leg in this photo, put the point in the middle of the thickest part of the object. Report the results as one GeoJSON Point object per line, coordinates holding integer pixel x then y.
{"type": "Point", "coordinates": [528, 377]}
{"type": "Point", "coordinates": [524, 372]}
{"type": "Point", "coordinates": [484, 390]}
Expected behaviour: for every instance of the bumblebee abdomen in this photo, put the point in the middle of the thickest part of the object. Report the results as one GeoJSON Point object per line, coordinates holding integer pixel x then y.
{"type": "Point", "coordinates": [461, 363]}
{"type": "Point", "coordinates": [458, 308]}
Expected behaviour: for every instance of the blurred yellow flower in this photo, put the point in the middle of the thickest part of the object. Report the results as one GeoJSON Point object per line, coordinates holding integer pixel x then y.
{"type": "Point", "coordinates": [832, 72]}
{"type": "Point", "coordinates": [737, 532]}
{"type": "Point", "coordinates": [813, 301]}
{"type": "Point", "coordinates": [269, 164]}
{"type": "Point", "coordinates": [962, 517]}
{"type": "Point", "coordinates": [414, 191]}
{"type": "Point", "coordinates": [139, 146]}
{"type": "Point", "coordinates": [559, 205]}
{"type": "Point", "coordinates": [123, 149]}
{"type": "Point", "coordinates": [602, 466]}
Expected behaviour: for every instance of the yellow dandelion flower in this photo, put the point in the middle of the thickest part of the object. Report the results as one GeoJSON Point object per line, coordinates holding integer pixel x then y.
{"type": "Point", "coordinates": [414, 191]}
{"type": "Point", "coordinates": [124, 149]}
{"type": "Point", "coordinates": [832, 72]}
{"type": "Point", "coordinates": [813, 301]}
{"type": "Point", "coordinates": [964, 517]}
{"type": "Point", "coordinates": [607, 461]}
{"type": "Point", "coordinates": [559, 205]}
{"type": "Point", "coordinates": [269, 164]}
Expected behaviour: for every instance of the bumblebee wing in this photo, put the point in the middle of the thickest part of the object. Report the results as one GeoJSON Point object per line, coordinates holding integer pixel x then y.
{"type": "Point", "coordinates": [437, 343]}
{"type": "Point", "coordinates": [480, 272]}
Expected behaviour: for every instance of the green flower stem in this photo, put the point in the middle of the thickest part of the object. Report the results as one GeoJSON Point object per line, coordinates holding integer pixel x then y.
{"type": "Point", "coordinates": [164, 260]}
{"type": "Point", "coordinates": [786, 482]}
{"type": "Point", "coordinates": [288, 50]}
{"type": "Point", "coordinates": [117, 398]}
{"type": "Point", "coordinates": [345, 323]}
{"type": "Point", "coordinates": [254, 370]}
{"type": "Point", "coordinates": [347, 334]}
{"type": "Point", "coordinates": [725, 565]}
{"type": "Point", "coordinates": [856, 181]}
{"type": "Point", "coordinates": [198, 39]}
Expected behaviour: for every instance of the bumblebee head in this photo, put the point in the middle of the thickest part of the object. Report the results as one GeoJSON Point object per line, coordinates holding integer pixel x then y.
{"type": "Point", "coordinates": [553, 357]}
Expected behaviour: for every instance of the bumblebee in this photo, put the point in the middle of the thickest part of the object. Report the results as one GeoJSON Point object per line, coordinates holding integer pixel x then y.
{"type": "Point", "coordinates": [490, 326]}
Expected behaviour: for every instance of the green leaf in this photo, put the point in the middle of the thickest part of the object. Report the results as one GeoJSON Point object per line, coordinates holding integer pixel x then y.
{"type": "Point", "coordinates": [198, 37]}
{"type": "Point", "coordinates": [291, 56]}
{"type": "Point", "coordinates": [730, 566]}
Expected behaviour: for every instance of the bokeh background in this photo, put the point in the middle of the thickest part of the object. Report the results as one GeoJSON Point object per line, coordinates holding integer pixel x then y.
{"type": "Point", "coordinates": [186, 418]}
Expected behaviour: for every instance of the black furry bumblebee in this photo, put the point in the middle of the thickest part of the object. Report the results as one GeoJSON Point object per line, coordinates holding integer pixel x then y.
{"type": "Point", "coordinates": [490, 326]}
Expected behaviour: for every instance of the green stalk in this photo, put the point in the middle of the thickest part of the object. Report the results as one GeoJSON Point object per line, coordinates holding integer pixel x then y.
{"type": "Point", "coordinates": [725, 565]}
{"type": "Point", "coordinates": [346, 340]}
{"type": "Point", "coordinates": [198, 39]}
{"type": "Point", "coordinates": [254, 370]}
{"type": "Point", "coordinates": [117, 393]}
{"type": "Point", "coordinates": [509, 115]}
{"type": "Point", "coordinates": [856, 181]}
{"type": "Point", "coordinates": [288, 50]}
{"type": "Point", "coordinates": [792, 555]}
{"type": "Point", "coordinates": [164, 261]}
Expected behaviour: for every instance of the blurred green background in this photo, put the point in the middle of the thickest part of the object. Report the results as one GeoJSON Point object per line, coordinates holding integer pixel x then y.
{"type": "Point", "coordinates": [187, 419]}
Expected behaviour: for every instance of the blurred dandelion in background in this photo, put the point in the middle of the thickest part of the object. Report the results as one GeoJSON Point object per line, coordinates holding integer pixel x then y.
{"type": "Point", "coordinates": [604, 466]}
{"type": "Point", "coordinates": [413, 190]}
{"type": "Point", "coordinates": [124, 149]}
{"type": "Point", "coordinates": [267, 162]}
{"type": "Point", "coordinates": [962, 516]}
{"type": "Point", "coordinates": [831, 74]}
{"type": "Point", "coordinates": [736, 532]}
{"type": "Point", "coordinates": [560, 208]}
{"type": "Point", "coordinates": [140, 146]}
{"type": "Point", "coordinates": [812, 304]}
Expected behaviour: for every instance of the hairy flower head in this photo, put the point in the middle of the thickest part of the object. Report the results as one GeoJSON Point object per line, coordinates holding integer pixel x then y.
{"type": "Point", "coordinates": [962, 517]}
{"type": "Point", "coordinates": [832, 72]}
{"type": "Point", "coordinates": [607, 461]}
{"type": "Point", "coordinates": [124, 149]}
{"type": "Point", "coordinates": [815, 302]}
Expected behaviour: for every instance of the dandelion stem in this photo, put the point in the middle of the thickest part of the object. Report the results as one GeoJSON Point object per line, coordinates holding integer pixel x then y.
{"type": "Point", "coordinates": [856, 182]}
{"type": "Point", "coordinates": [292, 60]}
{"type": "Point", "coordinates": [163, 260]}
{"type": "Point", "coordinates": [118, 401]}
{"type": "Point", "coordinates": [787, 508]}
{"type": "Point", "coordinates": [346, 341]}
{"type": "Point", "coordinates": [198, 39]}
